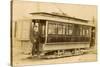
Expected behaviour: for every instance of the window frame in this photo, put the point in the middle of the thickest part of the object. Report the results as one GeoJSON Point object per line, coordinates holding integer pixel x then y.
{"type": "Point", "coordinates": [52, 29]}
{"type": "Point", "coordinates": [70, 28]}
{"type": "Point", "coordinates": [61, 29]}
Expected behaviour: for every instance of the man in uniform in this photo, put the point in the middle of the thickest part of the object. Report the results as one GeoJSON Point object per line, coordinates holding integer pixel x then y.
{"type": "Point", "coordinates": [35, 40]}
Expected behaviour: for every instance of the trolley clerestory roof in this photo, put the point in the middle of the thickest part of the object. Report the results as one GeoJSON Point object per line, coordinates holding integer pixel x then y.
{"type": "Point", "coordinates": [60, 18]}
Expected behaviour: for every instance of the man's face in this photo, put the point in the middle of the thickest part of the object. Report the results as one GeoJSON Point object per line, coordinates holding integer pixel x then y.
{"type": "Point", "coordinates": [35, 28]}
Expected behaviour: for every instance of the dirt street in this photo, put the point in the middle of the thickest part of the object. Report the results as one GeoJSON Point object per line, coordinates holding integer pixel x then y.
{"type": "Point", "coordinates": [24, 60]}
{"type": "Point", "coordinates": [21, 59]}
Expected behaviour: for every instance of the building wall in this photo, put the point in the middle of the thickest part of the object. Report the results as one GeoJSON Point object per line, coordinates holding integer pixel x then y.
{"type": "Point", "coordinates": [21, 36]}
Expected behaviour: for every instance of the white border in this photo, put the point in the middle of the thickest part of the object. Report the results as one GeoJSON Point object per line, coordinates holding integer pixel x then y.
{"type": "Point", "coordinates": [5, 33]}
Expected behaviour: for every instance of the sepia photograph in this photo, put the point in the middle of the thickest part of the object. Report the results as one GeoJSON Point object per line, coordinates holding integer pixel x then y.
{"type": "Point", "coordinates": [52, 33]}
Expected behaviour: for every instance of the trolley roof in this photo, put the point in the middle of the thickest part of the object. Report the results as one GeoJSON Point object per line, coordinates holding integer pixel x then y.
{"type": "Point", "coordinates": [60, 18]}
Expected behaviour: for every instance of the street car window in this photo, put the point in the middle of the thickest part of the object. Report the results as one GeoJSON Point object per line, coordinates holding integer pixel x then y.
{"type": "Point", "coordinates": [85, 31]}
{"type": "Point", "coordinates": [64, 29]}
{"type": "Point", "coordinates": [60, 29]}
{"type": "Point", "coordinates": [52, 28]}
{"type": "Point", "coordinates": [70, 29]}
